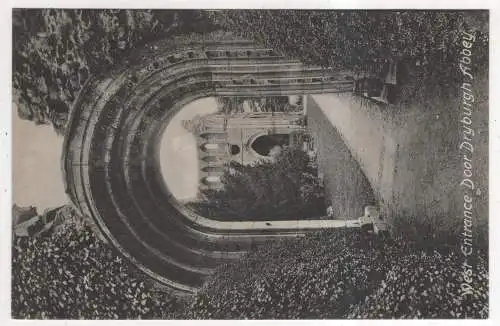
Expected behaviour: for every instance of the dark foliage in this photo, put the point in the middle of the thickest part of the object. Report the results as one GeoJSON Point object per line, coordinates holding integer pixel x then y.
{"type": "Point", "coordinates": [71, 274]}
{"type": "Point", "coordinates": [56, 50]}
{"type": "Point", "coordinates": [422, 285]}
{"type": "Point", "coordinates": [329, 274]}
{"type": "Point", "coordinates": [286, 188]}
{"type": "Point", "coordinates": [342, 274]}
{"type": "Point", "coordinates": [426, 43]}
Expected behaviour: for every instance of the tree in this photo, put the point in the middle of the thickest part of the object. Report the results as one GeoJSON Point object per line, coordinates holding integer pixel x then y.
{"type": "Point", "coordinates": [285, 188]}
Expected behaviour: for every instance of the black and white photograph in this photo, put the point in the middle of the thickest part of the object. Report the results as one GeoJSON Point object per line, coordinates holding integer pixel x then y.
{"type": "Point", "coordinates": [198, 164]}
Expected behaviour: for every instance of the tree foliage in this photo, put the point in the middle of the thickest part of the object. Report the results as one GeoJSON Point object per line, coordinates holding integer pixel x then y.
{"type": "Point", "coordinates": [342, 274]}
{"type": "Point", "coordinates": [285, 188]}
{"type": "Point", "coordinates": [56, 50]}
{"type": "Point", "coordinates": [426, 43]}
{"type": "Point", "coordinates": [70, 274]}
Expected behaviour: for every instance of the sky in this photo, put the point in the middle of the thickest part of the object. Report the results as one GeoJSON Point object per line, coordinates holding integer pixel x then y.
{"type": "Point", "coordinates": [178, 154]}
{"type": "Point", "coordinates": [36, 165]}
{"type": "Point", "coordinates": [36, 159]}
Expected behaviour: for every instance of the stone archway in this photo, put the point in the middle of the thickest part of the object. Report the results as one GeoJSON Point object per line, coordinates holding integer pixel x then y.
{"type": "Point", "coordinates": [111, 161]}
{"type": "Point", "coordinates": [264, 144]}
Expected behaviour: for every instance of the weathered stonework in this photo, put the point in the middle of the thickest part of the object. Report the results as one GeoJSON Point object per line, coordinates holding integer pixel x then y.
{"type": "Point", "coordinates": [111, 152]}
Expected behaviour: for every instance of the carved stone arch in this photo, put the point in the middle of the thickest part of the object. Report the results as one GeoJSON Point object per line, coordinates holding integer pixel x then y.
{"type": "Point", "coordinates": [111, 161]}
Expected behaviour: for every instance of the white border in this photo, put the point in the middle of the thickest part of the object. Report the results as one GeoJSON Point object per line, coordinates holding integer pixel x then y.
{"type": "Point", "coordinates": [5, 134]}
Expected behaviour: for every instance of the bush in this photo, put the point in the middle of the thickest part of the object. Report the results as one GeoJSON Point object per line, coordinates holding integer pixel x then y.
{"type": "Point", "coordinates": [71, 274]}
{"type": "Point", "coordinates": [340, 274]}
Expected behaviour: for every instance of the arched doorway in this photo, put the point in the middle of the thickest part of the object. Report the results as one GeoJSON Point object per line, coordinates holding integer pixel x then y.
{"type": "Point", "coordinates": [265, 144]}
{"type": "Point", "coordinates": [111, 161]}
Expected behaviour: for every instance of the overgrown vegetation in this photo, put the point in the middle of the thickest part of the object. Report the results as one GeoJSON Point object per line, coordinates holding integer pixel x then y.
{"type": "Point", "coordinates": [365, 41]}
{"type": "Point", "coordinates": [285, 188]}
{"type": "Point", "coordinates": [335, 274]}
{"type": "Point", "coordinates": [339, 273]}
{"type": "Point", "coordinates": [56, 50]}
{"type": "Point", "coordinates": [69, 273]}
{"type": "Point", "coordinates": [342, 274]}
